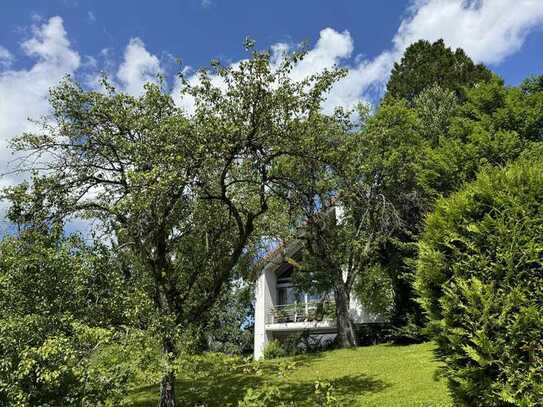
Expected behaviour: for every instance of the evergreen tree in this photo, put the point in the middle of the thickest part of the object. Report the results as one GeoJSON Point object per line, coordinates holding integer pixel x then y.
{"type": "Point", "coordinates": [425, 64]}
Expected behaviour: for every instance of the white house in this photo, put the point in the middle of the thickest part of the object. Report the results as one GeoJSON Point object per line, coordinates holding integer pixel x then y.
{"type": "Point", "coordinates": [281, 309]}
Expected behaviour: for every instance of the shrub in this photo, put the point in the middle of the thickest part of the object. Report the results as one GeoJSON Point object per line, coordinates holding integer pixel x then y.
{"type": "Point", "coordinates": [324, 393]}
{"type": "Point", "coordinates": [411, 331]}
{"type": "Point", "coordinates": [274, 349]}
{"type": "Point", "coordinates": [47, 362]}
{"type": "Point", "coordinates": [480, 278]}
{"type": "Point", "coordinates": [268, 395]}
{"type": "Point", "coordinates": [306, 342]}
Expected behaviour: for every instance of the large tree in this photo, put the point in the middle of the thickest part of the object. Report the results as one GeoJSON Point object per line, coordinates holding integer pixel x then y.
{"type": "Point", "coordinates": [490, 126]}
{"type": "Point", "coordinates": [181, 195]}
{"type": "Point", "coordinates": [425, 64]}
{"type": "Point", "coordinates": [352, 198]}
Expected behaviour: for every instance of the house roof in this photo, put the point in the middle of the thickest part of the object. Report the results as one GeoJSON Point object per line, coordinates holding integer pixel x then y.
{"type": "Point", "coordinates": [274, 258]}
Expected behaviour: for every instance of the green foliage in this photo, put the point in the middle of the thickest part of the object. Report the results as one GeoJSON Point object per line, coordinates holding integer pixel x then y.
{"type": "Point", "coordinates": [409, 332]}
{"type": "Point", "coordinates": [324, 392]}
{"type": "Point", "coordinates": [532, 153]}
{"type": "Point", "coordinates": [59, 299]}
{"type": "Point", "coordinates": [436, 107]}
{"type": "Point", "coordinates": [384, 205]}
{"type": "Point", "coordinates": [305, 342]}
{"type": "Point", "coordinates": [230, 329]}
{"type": "Point", "coordinates": [375, 291]}
{"type": "Point", "coordinates": [46, 361]}
{"type": "Point", "coordinates": [182, 196]}
{"type": "Point", "coordinates": [51, 274]}
{"type": "Point", "coordinates": [532, 84]}
{"type": "Point", "coordinates": [480, 279]}
{"type": "Point", "coordinates": [492, 127]}
{"type": "Point", "coordinates": [273, 350]}
{"type": "Point", "coordinates": [425, 64]}
{"type": "Point", "coordinates": [270, 395]}
{"type": "Point", "coordinates": [358, 195]}
{"type": "Point", "coordinates": [265, 396]}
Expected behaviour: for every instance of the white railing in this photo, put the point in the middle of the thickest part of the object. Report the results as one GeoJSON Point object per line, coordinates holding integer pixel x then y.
{"type": "Point", "coordinates": [301, 312]}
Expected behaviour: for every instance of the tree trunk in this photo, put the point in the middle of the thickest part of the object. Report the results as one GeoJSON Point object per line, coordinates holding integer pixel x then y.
{"type": "Point", "coordinates": [345, 329]}
{"type": "Point", "coordinates": [167, 391]}
{"type": "Point", "coordinates": [167, 384]}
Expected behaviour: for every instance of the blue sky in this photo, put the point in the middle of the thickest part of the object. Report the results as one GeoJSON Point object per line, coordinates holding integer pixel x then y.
{"type": "Point", "coordinates": [198, 30]}
{"type": "Point", "coordinates": [41, 41]}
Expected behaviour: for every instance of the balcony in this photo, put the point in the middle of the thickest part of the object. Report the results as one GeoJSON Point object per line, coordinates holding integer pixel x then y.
{"type": "Point", "coordinates": [312, 311]}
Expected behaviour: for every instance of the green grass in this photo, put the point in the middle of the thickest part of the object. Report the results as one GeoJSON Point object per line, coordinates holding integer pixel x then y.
{"type": "Point", "coordinates": [381, 375]}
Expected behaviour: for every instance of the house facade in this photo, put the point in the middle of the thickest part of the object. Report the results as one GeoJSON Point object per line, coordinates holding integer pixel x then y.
{"type": "Point", "coordinates": [281, 309]}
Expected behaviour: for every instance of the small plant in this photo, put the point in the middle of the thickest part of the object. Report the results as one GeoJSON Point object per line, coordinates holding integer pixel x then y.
{"type": "Point", "coordinates": [274, 349]}
{"type": "Point", "coordinates": [324, 393]}
{"type": "Point", "coordinates": [286, 366]}
{"type": "Point", "coordinates": [266, 396]}
{"type": "Point", "coordinates": [252, 367]}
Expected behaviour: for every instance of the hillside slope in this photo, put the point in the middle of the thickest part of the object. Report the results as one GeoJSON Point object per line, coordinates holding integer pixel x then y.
{"type": "Point", "coordinates": [380, 375]}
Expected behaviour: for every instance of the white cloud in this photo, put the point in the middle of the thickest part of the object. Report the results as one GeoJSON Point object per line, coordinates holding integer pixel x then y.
{"type": "Point", "coordinates": [487, 30]}
{"type": "Point", "coordinates": [138, 67]}
{"type": "Point", "coordinates": [25, 92]}
{"type": "Point", "coordinates": [51, 46]}
{"type": "Point", "coordinates": [6, 58]}
{"type": "Point", "coordinates": [332, 48]}
{"type": "Point", "coordinates": [186, 102]}
{"type": "Point", "coordinates": [92, 17]}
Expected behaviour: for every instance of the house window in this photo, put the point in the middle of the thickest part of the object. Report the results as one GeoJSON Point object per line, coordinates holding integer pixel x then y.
{"type": "Point", "coordinates": [288, 295]}
{"type": "Point", "coordinates": [282, 295]}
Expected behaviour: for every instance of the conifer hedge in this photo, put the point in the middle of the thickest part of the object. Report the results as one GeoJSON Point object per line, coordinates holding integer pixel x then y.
{"type": "Point", "coordinates": [480, 279]}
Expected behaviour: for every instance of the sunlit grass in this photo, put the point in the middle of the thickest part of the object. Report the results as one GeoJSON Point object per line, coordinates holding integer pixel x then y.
{"type": "Point", "coordinates": [381, 375]}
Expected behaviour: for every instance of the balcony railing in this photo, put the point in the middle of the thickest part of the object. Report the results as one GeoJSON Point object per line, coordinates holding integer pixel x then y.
{"type": "Point", "coordinates": [313, 311]}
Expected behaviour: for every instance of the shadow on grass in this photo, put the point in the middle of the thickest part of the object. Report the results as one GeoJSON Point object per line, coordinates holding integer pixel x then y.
{"type": "Point", "coordinates": [225, 384]}
{"type": "Point", "coordinates": [213, 391]}
{"type": "Point", "coordinates": [214, 384]}
{"type": "Point", "coordinates": [228, 389]}
{"type": "Point", "coordinates": [345, 390]}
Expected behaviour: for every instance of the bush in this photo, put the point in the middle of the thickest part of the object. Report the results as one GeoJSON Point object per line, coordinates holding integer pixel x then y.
{"type": "Point", "coordinates": [306, 342]}
{"type": "Point", "coordinates": [268, 395]}
{"type": "Point", "coordinates": [47, 362]}
{"type": "Point", "coordinates": [274, 349]}
{"type": "Point", "coordinates": [408, 333]}
{"type": "Point", "coordinates": [480, 278]}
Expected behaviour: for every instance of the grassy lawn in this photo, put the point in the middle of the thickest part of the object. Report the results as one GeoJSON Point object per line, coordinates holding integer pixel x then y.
{"type": "Point", "coordinates": [381, 375]}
